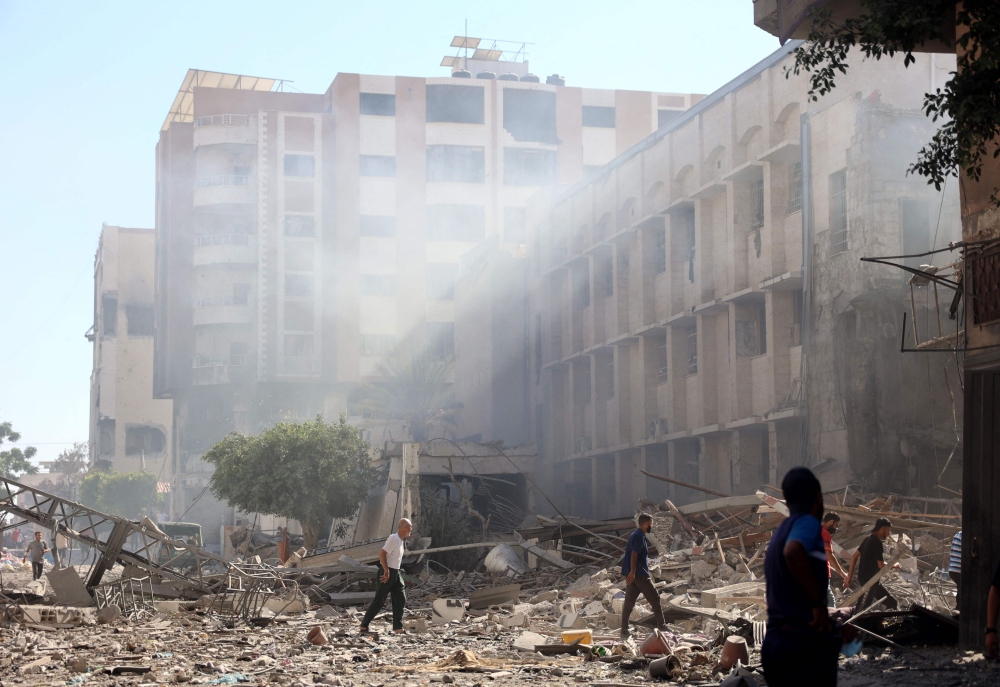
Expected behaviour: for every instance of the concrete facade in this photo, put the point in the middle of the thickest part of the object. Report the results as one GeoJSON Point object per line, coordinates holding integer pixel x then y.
{"type": "Point", "coordinates": [704, 313]}
{"type": "Point", "coordinates": [129, 429]}
{"type": "Point", "coordinates": [301, 237]}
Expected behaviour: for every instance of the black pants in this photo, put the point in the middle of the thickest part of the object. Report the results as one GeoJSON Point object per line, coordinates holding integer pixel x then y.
{"type": "Point", "coordinates": [644, 586]}
{"type": "Point", "coordinates": [394, 588]}
{"type": "Point", "coordinates": [36, 570]}
{"type": "Point", "coordinates": [876, 593]}
{"type": "Point", "coordinates": [798, 656]}
{"type": "Point", "coordinates": [956, 577]}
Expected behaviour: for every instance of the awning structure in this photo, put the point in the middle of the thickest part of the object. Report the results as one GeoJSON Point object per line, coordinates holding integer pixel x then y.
{"type": "Point", "coordinates": [182, 109]}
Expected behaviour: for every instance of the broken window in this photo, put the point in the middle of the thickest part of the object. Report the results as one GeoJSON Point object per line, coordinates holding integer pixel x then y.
{"type": "Point", "coordinates": [794, 188]}
{"type": "Point", "coordinates": [916, 230]}
{"type": "Point", "coordinates": [109, 312]}
{"type": "Point", "coordinates": [664, 117]}
{"type": "Point", "coordinates": [609, 277]}
{"type": "Point", "coordinates": [378, 285]}
{"type": "Point", "coordinates": [106, 438]}
{"type": "Point", "coordinates": [838, 212]}
{"type": "Point", "coordinates": [530, 115]}
{"type": "Point", "coordinates": [464, 164]}
{"type": "Point", "coordinates": [757, 207]}
{"type": "Point", "coordinates": [144, 440]}
{"type": "Point", "coordinates": [441, 281]}
{"type": "Point", "coordinates": [377, 344]}
{"type": "Point", "coordinates": [300, 225]}
{"type": "Point", "coordinates": [298, 286]}
{"type": "Point", "coordinates": [238, 353]}
{"type": "Point", "coordinates": [664, 357]}
{"type": "Point", "coordinates": [140, 320]}
{"type": "Point", "coordinates": [660, 256]}
{"type": "Point", "coordinates": [797, 317]}
{"type": "Point", "coordinates": [241, 294]}
{"type": "Point", "coordinates": [441, 340]}
{"type": "Point", "coordinates": [751, 333]}
{"type": "Point", "coordinates": [581, 286]}
{"type": "Point", "coordinates": [448, 103]}
{"type": "Point", "coordinates": [300, 166]}
{"type": "Point", "coordinates": [299, 316]}
{"type": "Point", "coordinates": [376, 225]}
{"type": "Point", "coordinates": [526, 167]}
{"type": "Point", "coordinates": [538, 348]}
{"type": "Point", "coordinates": [452, 222]}
{"type": "Point", "coordinates": [515, 225]}
{"type": "Point", "coordinates": [381, 104]}
{"type": "Point", "coordinates": [692, 352]}
{"type": "Point", "coordinates": [601, 117]}
{"type": "Point", "coordinates": [378, 165]}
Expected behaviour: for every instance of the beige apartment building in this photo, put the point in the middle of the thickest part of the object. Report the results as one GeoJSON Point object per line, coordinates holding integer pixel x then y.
{"type": "Point", "coordinates": [698, 308]}
{"type": "Point", "coordinates": [301, 237]}
{"type": "Point", "coordinates": [129, 429]}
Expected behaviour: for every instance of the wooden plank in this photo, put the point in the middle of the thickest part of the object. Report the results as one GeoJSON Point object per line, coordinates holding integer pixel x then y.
{"type": "Point", "coordinates": [720, 504]}
{"type": "Point", "coordinates": [678, 482]}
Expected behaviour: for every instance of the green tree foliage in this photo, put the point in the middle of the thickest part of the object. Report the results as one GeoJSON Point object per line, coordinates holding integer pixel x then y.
{"type": "Point", "coordinates": [969, 103]}
{"type": "Point", "coordinates": [126, 494]}
{"type": "Point", "coordinates": [414, 387]}
{"type": "Point", "coordinates": [71, 465]}
{"type": "Point", "coordinates": [14, 462]}
{"type": "Point", "coordinates": [312, 472]}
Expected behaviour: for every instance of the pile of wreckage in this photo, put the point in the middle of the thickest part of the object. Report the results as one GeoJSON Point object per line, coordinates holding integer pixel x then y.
{"type": "Point", "coordinates": [545, 601]}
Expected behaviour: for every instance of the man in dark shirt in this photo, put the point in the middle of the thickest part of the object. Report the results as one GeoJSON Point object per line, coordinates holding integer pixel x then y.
{"type": "Point", "coordinates": [869, 559]}
{"type": "Point", "coordinates": [800, 645]}
{"type": "Point", "coordinates": [635, 568]}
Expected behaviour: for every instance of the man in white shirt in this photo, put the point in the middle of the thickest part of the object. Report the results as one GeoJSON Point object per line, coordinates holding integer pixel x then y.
{"type": "Point", "coordinates": [389, 582]}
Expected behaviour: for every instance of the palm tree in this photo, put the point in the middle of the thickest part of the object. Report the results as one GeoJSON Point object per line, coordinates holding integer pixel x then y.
{"type": "Point", "coordinates": [415, 388]}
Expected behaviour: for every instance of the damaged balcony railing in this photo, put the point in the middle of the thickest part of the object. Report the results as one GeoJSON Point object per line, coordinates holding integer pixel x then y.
{"type": "Point", "coordinates": [133, 596]}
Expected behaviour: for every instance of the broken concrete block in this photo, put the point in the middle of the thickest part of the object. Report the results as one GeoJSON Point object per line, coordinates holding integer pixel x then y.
{"type": "Point", "coordinates": [527, 641]}
{"type": "Point", "coordinates": [612, 620]}
{"type": "Point", "coordinates": [494, 596]}
{"type": "Point", "coordinates": [594, 608]}
{"type": "Point", "coordinates": [551, 595]}
{"type": "Point", "coordinates": [68, 587]}
{"type": "Point", "coordinates": [167, 606]}
{"type": "Point", "coordinates": [568, 606]}
{"type": "Point", "coordinates": [446, 610]}
{"type": "Point", "coordinates": [516, 620]}
{"type": "Point", "coordinates": [571, 621]}
{"type": "Point", "coordinates": [542, 609]}
{"type": "Point", "coordinates": [109, 614]}
{"type": "Point", "coordinates": [702, 569]}
{"type": "Point", "coordinates": [415, 625]}
{"type": "Point", "coordinates": [326, 612]}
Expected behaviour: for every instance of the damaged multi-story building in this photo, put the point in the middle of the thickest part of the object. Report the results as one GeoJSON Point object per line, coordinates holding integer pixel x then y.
{"type": "Point", "coordinates": [698, 308]}
{"type": "Point", "coordinates": [301, 237]}
{"type": "Point", "coordinates": [129, 429]}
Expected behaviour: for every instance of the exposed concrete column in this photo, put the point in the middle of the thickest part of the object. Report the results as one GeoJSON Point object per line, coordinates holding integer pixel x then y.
{"type": "Point", "coordinates": [772, 453]}
{"type": "Point", "coordinates": [734, 460]}
{"type": "Point", "coordinates": [629, 480]}
{"type": "Point", "coordinates": [672, 468]}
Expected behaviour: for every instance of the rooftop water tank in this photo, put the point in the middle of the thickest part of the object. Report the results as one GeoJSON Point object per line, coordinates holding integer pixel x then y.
{"type": "Point", "coordinates": [555, 80]}
{"type": "Point", "coordinates": [486, 75]}
{"type": "Point", "coordinates": [509, 76]}
{"type": "Point", "coordinates": [530, 78]}
{"type": "Point", "coordinates": [462, 74]}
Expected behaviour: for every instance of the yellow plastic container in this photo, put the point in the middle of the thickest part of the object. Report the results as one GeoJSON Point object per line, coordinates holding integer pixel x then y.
{"type": "Point", "coordinates": [585, 636]}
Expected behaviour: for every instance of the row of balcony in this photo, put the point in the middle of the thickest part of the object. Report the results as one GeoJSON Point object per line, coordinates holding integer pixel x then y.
{"type": "Point", "coordinates": [225, 128]}
{"type": "Point", "coordinates": [225, 249]}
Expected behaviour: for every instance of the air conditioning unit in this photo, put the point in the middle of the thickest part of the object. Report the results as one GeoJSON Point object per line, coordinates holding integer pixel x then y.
{"type": "Point", "coordinates": [662, 424]}
{"type": "Point", "coordinates": [658, 428]}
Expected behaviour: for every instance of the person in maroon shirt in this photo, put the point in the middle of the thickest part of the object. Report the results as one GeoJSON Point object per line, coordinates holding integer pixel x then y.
{"type": "Point", "coordinates": [831, 523]}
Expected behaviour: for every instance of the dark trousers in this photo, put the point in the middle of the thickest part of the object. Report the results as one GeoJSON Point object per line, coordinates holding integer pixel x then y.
{"type": "Point", "coordinates": [956, 577]}
{"type": "Point", "coordinates": [797, 656]}
{"type": "Point", "coordinates": [394, 588]}
{"type": "Point", "coordinates": [644, 586]}
{"type": "Point", "coordinates": [876, 593]}
{"type": "Point", "coordinates": [36, 570]}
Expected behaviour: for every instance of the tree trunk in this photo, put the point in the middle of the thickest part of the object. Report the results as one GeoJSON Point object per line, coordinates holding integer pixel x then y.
{"type": "Point", "coordinates": [310, 533]}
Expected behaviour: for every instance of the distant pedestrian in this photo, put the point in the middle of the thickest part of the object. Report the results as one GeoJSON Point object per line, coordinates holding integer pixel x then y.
{"type": "Point", "coordinates": [17, 537]}
{"type": "Point", "coordinates": [800, 646]}
{"type": "Point", "coordinates": [831, 523]}
{"type": "Point", "coordinates": [635, 568]}
{"type": "Point", "coordinates": [62, 548]}
{"type": "Point", "coordinates": [869, 559]}
{"type": "Point", "coordinates": [36, 552]}
{"type": "Point", "coordinates": [390, 583]}
{"type": "Point", "coordinates": [955, 568]}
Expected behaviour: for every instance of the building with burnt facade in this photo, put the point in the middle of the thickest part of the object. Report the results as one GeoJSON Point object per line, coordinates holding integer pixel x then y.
{"type": "Point", "coordinates": [698, 308]}
{"type": "Point", "coordinates": [301, 237]}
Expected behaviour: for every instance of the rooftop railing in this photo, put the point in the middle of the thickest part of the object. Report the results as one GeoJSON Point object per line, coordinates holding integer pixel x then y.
{"type": "Point", "coordinates": [223, 180]}
{"type": "Point", "coordinates": [224, 120]}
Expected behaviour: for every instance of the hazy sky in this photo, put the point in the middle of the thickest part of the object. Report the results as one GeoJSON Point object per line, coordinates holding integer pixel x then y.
{"type": "Point", "coordinates": [86, 86]}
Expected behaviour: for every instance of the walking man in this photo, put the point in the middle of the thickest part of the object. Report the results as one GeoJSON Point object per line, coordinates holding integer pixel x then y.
{"type": "Point", "coordinates": [869, 560]}
{"type": "Point", "coordinates": [831, 523]}
{"type": "Point", "coordinates": [35, 550]}
{"type": "Point", "coordinates": [800, 646]}
{"type": "Point", "coordinates": [635, 568]}
{"type": "Point", "coordinates": [390, 557]}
